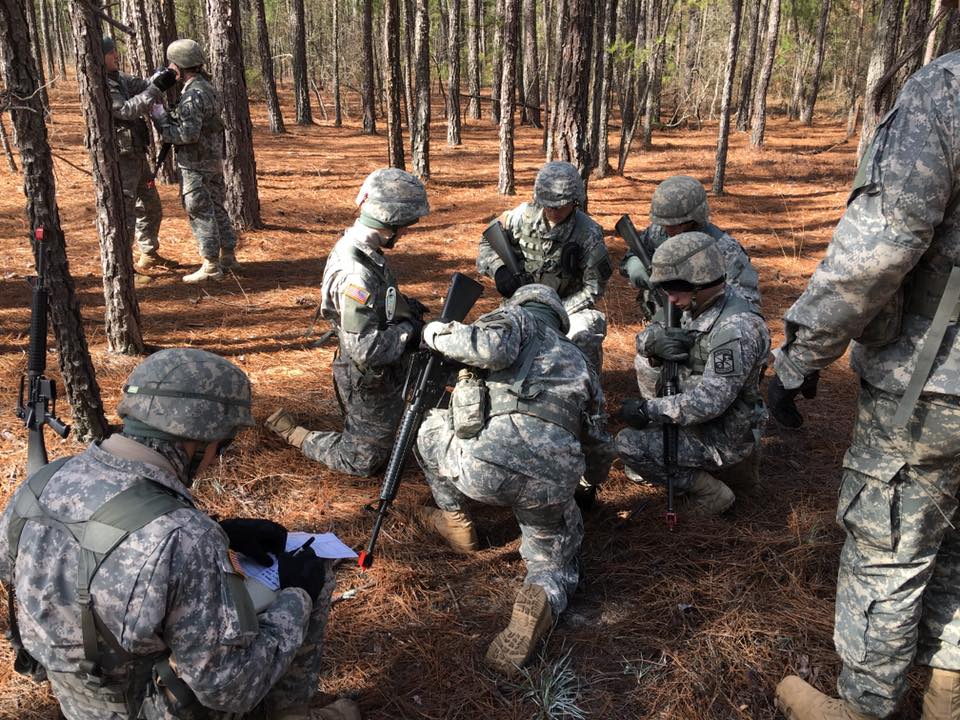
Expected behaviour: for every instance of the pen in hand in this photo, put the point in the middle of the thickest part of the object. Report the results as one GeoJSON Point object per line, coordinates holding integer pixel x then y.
{"type": "Point", "coordinates": [303, 547]}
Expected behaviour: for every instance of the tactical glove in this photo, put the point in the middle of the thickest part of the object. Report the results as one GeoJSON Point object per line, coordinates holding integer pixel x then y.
{"type": "Point", "coordinates": [256, 538]}
{"type": "Point", "coordinates": [633, 268]}
{"type": "Point", "coordinates": [413, 339]}
{"type": "Point", "coordinates": [165, 78]}
{"type": "Point", "coordinates": [570, 257]}
{"type": "Point", "coordinates": [303, 569]}
{"type": "Point", "coordinates": [782, 402]}
{"type": "Point", "coordinates": [585, 495]}
{"type": "Point", "coordinates": [507, 283]}
{"type": "Point", "coordinates": [634, 413]}
{"type": "Point", "coordinates": [672, 345]}
{"type": "Point", "coordinates": [417, 308]}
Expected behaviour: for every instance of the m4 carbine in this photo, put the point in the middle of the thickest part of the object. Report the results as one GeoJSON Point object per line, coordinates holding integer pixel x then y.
{"type": "Point", "coordinates": [422, 390]}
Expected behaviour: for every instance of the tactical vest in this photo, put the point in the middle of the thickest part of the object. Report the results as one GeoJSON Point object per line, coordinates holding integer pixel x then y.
{"type": "Point", "coordinates": [121, 685]}
{"type": "Point", "coordinates": [541, 256]}
{"type": "Point", "coordinates": [132, 135]}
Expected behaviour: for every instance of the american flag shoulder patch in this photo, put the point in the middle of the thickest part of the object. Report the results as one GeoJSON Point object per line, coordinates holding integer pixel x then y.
{"type": "Point", "coordinates": [357, 293]}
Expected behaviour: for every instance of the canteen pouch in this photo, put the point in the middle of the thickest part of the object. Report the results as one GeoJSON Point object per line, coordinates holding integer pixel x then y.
{"type": "Point", "coordinates": [469, 404]}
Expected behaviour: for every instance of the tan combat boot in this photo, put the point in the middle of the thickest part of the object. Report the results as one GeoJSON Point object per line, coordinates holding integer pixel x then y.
{"type": "Point", "coordinates": [798, 700]}
{"type": "Point", "coordinates": [454, 527]}
{"type": "Point", "coordinates": [341, 709]}
{"type": "Point", "coordinates": [210, 270]}
{"type": "Point", "coordinates": [707, 495]}
{"type": "Point", "coordinates": [283, 424]}
{"type": "Point", "coordinates": [228, 261]}
{"type": "Point", "coordinates": [530, 621]}
{"type": "Point", "coordinates": [941, 701]}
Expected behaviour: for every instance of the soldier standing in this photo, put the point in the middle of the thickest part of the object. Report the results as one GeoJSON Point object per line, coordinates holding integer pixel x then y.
{"type": "Point", "coordinates": [375, 324]}
{"type": "Point", "coordinates": [195, 129]}
{"type": "Point", "coordinates": [562, 247]}
{"type": "Point", "coordinates": [890, 282]}
{"type": "Point", "coordinates": [131, 98]}
{"type": "Point", "coordinates": [722, 348]}
{"type": "Point", "coordinates": [122, 592]}
{"type": "Point", "coordinates": [525, 422]}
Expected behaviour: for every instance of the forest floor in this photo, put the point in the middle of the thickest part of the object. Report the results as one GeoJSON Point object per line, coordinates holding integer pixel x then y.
{"type": "Point", "coordinates": [701, 622]}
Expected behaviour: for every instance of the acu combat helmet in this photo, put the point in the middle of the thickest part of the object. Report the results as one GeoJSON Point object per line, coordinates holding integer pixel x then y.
{"type": "Point", "coordinates": [541, 295]}
{"type": "Point", "coordinates": [392, 197]}
{"type": "Point", "coordinates": [185, 54]}
{"type": "Point", "coordinates": [188, 394]}
{"type": "Point", "coordinates": [558, 183]}
{"type": "Point", "coordinates": [678, 200]}
{"type": "Point", "coordinates": [690, 257]}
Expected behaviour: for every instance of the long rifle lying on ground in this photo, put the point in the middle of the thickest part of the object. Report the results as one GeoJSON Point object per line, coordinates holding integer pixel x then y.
{"type": "Point", "coordinates": [41, 406]}
{"type": "Point", "coordinates": [669, 377]}
{"type": "Point", "coordinates": [422, 390]}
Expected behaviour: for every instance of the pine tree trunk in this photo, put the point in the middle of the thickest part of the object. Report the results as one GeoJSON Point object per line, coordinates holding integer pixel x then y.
{"type": "Point", "coordinates": [723, 137]}
{"type": "Point", "coordinates": [474, 29]}
{"type": "Point", "coordinates": [58, 33]}
{"type": "Point", "coordinates": [20, 77]}
{"type": "Point", "coordinates": [511, 30]}
{"type": "Point", "coordinates": [518, 79]}
{"type": "Point", "coordinates": [932, 39]}
{"type": "Point", "coordinates": [531, 63]}
{"type": "Point", "coordinates": [596, 77]}
{"type": "Point", "coordinates": [5, 142]}
{"type": "Point", "coordinates": [421, 124]}
{"type": "Point", "coordinates": [141, 55]}
{"type": "Point", "coordinates": [123, 331]}
{"type": "Point", "coordinates": [656, 49]}
{"type": "Point", "coordinates": [877, 100]}
{"type": "Point", "coordinates": [749, 63]}
{"type": "Point", "coordinates": [226, 64]}
{"type": "Point", "coordinates": [807, 116]}
{"type": "Point", "coordinates": [394, 83]}
{"type": "Point", "coordinates": [914, 36]}
{"type": "Point", "coordinates": [602, 163]}
{"type": "Point", "coordinates": [759, 122]}
{"type": "Point", "coordinates": [274, 114]}
{"type": "Point", "coordinates": [690, 54]}
{"type": "Point", "coordinates": [301, 83]}
{"type": "Point", "coordinates": [453, 89]}
{"type": "Point", "coordinates": [496, 74]}
{"type": "Point", "coordinates": [551, 46]}
{"type": "Point", "coordinates": [635, 80]}
{"type": "Point", "coordinates": [37, 51]}
{"type": "Point", "coordinates": [46, 28]}
{"type": "Point", "coordinates": [366, 35]}
{"type": "Point", "coordinates": [570, 137]}
{"type": "Point", "coordinates": [337, 102]}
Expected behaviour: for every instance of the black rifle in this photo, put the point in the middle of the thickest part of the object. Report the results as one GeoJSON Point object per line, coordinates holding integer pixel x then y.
{"type": "Point", "coordinates": [496, 235]}
{"type": "Point", "coordinates": [161, 159]}
{"type": "Point", "coordinates": [422, 390]}
{"type": "Point", "coordinates": [41, 406]}
{"type": "Point", "coordinates": [635, 242]}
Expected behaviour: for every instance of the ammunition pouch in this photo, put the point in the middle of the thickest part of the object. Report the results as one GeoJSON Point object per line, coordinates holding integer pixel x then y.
{"type": "Point", "coordinates": [469, 404]}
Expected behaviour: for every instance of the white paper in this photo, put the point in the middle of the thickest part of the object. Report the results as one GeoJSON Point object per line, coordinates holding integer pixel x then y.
{"type": "Point", "coordinates": [324, 545]}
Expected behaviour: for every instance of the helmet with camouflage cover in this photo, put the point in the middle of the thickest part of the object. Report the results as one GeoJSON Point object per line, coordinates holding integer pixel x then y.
{"type": "Point", "coordinates": [393, 197]}
{"type": "Point", "coordinates": [185, 53]}
{"type": "Point", "coordinates": [692, 257]}
{"type": "Point", "coordinates": [542, 295]}
{"type": "Point", "coordinates": [188, 393]}
{"type": "Point", "coordinates": [558, 183]}
{"type": "Point", "coordinates": [678, 200]}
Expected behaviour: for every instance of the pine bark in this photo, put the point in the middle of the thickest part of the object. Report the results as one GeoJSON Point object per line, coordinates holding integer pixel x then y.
{"type": "Point", "coordinates": [37, 51]}
{"type": "Point", "coordinates": [596, 73]}
{"type": "Point", "coordinates": [453, 86]}
{"type": "Point", "coordinates": [570, 135]}
{"type": "Point", "coordinates": [337, 101]}
{"type": "Point", "coordinates": [368, 99]}
{"type": "Point", "coordinates": [226, 64]}
{"type": "Point", "coordinates": [602, 153]}
{"type": "Point", "coordinates": [496, 73]}
{"type": "Point", "coordinates": [723, 138]}
{"type": "Point", "coordinates": [914, 36]}
{"type": "Point", "coordinates": [806, 116]}
{"type": "Point", "coordinates": [876, 99]}
{"type": "Point", "coordinates": [39, 187]}
{"type": "Point", "coordinates": [749, 63]}
{"type": "Point", "coordinates": [123, 331]}
{"type": "Point", "coordinates": [763, 81]}
{"type": "Point", "coordinates": [58, 34]}
{"type": "Point", "coordinates": [511, 29]}
{"type": "Point", "coordinates": [421, 124]}
{"type": "Point", "coordinates": [274, 114]}
{"type": "Point", "coordinates": [7, 151]}
{"type": "Point", "coordinates": [637, 89]}
{"type": "Point", "coordinates": [690, 53]}
{"type": "Point", "coordinates": [474, 29]}
{"type": "Point", "coordinates": [394, 83]}
{"type": "Point", "coordinates": [656, 52]}
{"type": "Point", "coordinates": [531, 63]}
{"type": "Point", "coordinates": [46, 28]}
{"type": "Point", "coordinates": [301, 81]}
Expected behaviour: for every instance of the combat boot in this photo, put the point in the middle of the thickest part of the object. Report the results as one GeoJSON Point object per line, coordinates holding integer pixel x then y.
{"type": "Point", "coordinates": [342, 709]}
{"type": "Point", "coordinates": [530, 621]}
{"type": "Point", "coordinates": [707, 495]}
{"type": "Point", "coordinates": [798, 700]}
{"type": "Point", "coordinates": [283, 424]}
{"type": "Point", "coordinates": [941, 701]}
{"type": "Point", "coordinates": [454, 527]}
{"type": "Point", "coordinates": [210, 270]}
{"type": "Point", "coordinates": [228, 261]}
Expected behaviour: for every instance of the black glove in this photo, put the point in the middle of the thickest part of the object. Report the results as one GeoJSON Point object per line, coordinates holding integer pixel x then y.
{"type": "Point", "coordinates": [672, 345]}
{"type": "Point", "coordinates": [634, 413]}
{"type": "Point", "coordinates": [585, 495]}
{"type": "Point", "coordinates": [570, 258]}
{"type": "Point", "coordinates": [417, 308]}
{"type": "Point", "coordinates": [256, 538]}
{"type": "Point", "coordinates": [783, 403]}
{"type": "Point", "coordinates": [416, 334]}
{"type": "Point", "coordinates": [164, 78]}
{"type": "Point", "coordinates": [507, 283]}
{"type": "Point", "coordinates": [303, 569]}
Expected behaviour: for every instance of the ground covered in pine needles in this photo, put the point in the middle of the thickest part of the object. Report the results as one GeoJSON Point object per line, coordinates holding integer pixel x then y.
{"type": "Point", "coordinates": [698, 623]}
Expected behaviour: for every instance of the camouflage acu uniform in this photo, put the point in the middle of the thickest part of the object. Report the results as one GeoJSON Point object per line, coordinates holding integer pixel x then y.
{"type": "Point", "coordinates": [131, 99]}
{"type": "Point", "coordinates": [897, 590]}
{"type": "Point", "coordinates": [362, 302]}
{"type": "Point", "coordinates": [719, 409]}
{"type": "Point", "coordinates": [520, 458]}
{"type": "Point", "coordinates": [541, 246]}
{"type": "Point", "coordinates": [168, 589]}
{"type": "Point", "coordinates": [196, 131]}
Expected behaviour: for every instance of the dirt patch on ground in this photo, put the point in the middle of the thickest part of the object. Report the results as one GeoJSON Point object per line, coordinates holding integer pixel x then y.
{"type": "Point", "coordinates": [698, 623]}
